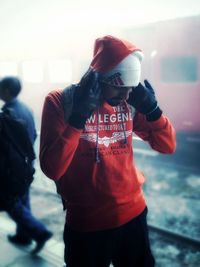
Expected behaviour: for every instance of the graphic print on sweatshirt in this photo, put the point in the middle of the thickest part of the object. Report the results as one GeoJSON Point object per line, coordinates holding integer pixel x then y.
{"type": "Point", "coordinates": [110, 130]}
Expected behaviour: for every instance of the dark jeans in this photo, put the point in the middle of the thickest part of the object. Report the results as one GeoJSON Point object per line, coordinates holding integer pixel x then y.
{"type": "Point", "coordinates": [27, 225]}
{"type": "Point", "coordinates": [125, 246]}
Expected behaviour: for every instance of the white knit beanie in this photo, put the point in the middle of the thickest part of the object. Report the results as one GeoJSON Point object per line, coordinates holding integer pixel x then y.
{"type": "Point", "coordinates": [127, 73]}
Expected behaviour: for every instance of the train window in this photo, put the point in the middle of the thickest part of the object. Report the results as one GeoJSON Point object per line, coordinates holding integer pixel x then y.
{"type": "Point", "coordinates": [8, 68]}
{"type": "Point", "coordinates": [179, 69]}
{"type": "Point", "coordinates": [60, 71]}
{"type": "Point", "coordinates": [32, 71]}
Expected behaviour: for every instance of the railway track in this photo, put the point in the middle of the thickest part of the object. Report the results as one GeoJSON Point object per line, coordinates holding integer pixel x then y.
{"type": "Point", "coordinates": [175, 237]}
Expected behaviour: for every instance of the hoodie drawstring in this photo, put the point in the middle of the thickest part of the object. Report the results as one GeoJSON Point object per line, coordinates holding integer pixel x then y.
{"type": "Point", "coordinates": [97, 158]}
{"type": "Point", "coordinates": [125, 138]}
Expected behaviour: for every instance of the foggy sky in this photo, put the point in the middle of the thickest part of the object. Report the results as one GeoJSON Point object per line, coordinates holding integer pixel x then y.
{"type": "Point", "coordinates": [41, 24]}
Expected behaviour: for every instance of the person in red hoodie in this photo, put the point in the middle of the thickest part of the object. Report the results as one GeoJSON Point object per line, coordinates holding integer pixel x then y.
{"type": "Point", "coordinates": [86, 148]}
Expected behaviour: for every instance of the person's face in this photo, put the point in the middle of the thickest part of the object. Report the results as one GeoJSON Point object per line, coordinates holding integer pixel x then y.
{"type": "Point", "coordinates": [114, 95]}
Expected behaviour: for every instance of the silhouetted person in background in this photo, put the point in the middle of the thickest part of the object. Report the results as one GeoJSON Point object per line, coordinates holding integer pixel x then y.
{"type": "Point", "coordinates": [86, 146]}
{"type": "Point", "coordinates": [28, 227]}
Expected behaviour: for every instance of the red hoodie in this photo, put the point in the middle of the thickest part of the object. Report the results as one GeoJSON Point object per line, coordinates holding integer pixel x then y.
{"type": "Point", "coordinates": [107, 194]}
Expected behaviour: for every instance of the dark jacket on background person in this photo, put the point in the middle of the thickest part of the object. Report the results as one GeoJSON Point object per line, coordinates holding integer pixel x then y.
{"type": "Point", "coordinates": [28, 227]}
{"type": "Point", "coordinates": [22, 112]}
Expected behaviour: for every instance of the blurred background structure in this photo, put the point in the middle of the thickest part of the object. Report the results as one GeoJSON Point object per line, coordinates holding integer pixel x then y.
{"type": "Point", "coordinates": [48, 45]}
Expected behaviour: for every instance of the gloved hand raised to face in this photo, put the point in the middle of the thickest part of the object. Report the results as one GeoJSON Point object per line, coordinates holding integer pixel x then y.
{"type": "Point", "coordinates": [87, 98]}
{"type": "Point", "coordinates": [143, 99]}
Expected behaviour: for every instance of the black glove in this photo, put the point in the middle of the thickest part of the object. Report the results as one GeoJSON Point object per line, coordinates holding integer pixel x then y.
{"type": "Point", "coordinates": [143, 99]}
{"type": "Point", "coordinates": [87, 98]}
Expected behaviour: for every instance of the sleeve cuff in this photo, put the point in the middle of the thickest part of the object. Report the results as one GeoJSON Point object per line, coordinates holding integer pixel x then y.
{"type": "Point", "coordinates": [77, 121]}
{"type": "Point", "coordinates": [158, 124]}
{"type": "Point", "coordinates": [154, 115]}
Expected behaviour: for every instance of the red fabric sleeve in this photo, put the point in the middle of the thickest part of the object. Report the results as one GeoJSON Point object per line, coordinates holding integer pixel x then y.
{"type": "Point", "coordinates": [160, 134]}
{"type": "Point", "coordinates": [58, 140]}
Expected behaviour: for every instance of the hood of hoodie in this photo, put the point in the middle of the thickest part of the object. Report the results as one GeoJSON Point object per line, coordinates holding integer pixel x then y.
{"type": "Point", "coordinates": [118, 60]}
